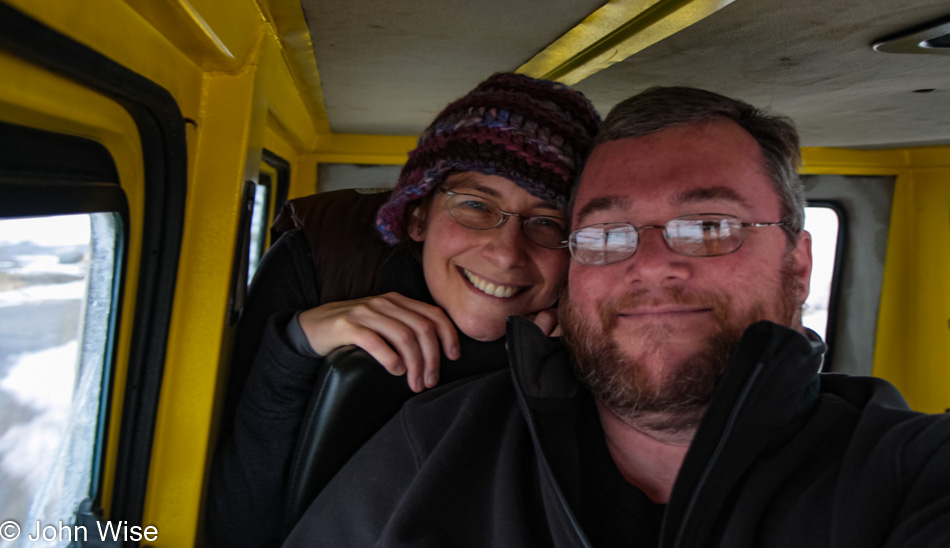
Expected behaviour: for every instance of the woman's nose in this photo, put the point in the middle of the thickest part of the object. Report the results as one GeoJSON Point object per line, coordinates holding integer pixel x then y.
{"type": "Point", "coordinates": [507, 246]}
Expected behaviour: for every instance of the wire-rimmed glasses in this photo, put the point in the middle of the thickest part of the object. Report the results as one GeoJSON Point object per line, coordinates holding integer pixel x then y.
{"type": "Point", "coordinates": [699, 235]}
{"type": "Point", "coordinates": [480, 213]}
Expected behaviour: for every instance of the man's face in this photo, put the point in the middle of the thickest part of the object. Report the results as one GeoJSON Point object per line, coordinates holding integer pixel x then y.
{"type": "Point", "coordinates": [652, 333]}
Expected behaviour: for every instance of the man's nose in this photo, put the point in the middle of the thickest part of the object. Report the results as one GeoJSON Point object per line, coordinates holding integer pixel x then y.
{"type": "Point", "coordinates": [654, 263]}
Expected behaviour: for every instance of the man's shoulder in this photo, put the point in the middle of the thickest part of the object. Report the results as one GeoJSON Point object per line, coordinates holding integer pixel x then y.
{"type": "Point", "coordinates": [870, 394]}
{"type": "Point", "coordinates": [883, 416]}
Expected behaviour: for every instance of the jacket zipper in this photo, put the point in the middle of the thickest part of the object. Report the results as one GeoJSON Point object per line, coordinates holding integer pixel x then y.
{"type": "Point", "coordinates": [707, 469]}
{"type": "Point", "coordinates": [529, 420]}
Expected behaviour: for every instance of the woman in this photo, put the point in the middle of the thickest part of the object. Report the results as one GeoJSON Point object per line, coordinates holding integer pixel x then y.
{"type": "Point", "coordinates": [479, 216]}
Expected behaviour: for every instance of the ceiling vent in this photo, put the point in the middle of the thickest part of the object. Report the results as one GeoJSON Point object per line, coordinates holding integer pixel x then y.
{"type": "Point", "coordinates": [933, 37]}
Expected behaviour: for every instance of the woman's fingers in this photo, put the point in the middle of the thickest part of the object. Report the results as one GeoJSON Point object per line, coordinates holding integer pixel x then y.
{"type": "Point", "coordinates": [403, 334]}
{"type": "Point", "coordinates": [547, 321]}
{"type": "Point", "coordinates": [445, 333]}
{"type": "Point", "coordinates": [433, 329]}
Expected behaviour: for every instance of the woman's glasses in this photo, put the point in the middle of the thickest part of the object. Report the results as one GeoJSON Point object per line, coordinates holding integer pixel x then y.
{"type": "Point", "coordinates": [479, 213]}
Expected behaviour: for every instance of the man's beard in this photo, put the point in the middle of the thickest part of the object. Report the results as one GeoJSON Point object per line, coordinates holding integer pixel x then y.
{"type": "Point", "coordinates": [674, 399]}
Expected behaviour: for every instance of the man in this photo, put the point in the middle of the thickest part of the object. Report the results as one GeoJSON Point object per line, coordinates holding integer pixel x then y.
{"type": "Point", "coordinates": [699, 419]}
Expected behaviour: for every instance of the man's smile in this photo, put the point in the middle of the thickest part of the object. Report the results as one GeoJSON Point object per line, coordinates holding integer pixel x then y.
{"type": "Point", "coordinates": [670, 311]}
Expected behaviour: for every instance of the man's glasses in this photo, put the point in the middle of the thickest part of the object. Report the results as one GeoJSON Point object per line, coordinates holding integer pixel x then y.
{"type": "Point", "coordinates": [479, 213]}
{"type": "Point", "coordinates": [702, 235]}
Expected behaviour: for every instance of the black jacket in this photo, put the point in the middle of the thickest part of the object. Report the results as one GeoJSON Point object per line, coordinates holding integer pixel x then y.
{"type": "Point", "coordinates": [783, 457]}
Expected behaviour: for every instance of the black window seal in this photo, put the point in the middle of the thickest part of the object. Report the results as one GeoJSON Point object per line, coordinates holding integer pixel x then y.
{"type": "Point", "coordinates": [282, 188]}
{"type": "Point", "coordinates": [239, 281]}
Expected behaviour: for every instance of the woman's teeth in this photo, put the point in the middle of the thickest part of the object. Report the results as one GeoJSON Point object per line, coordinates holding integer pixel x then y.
{"type": "Point", "coordinates": [490, 288]}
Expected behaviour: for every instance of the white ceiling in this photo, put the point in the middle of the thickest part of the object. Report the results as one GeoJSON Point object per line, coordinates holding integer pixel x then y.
{"type": "Point", "coordinates": [388, 67]}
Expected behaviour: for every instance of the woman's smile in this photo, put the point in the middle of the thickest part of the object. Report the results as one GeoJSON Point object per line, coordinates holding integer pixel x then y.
{"type": "Point", "coordinates": [491, 288]}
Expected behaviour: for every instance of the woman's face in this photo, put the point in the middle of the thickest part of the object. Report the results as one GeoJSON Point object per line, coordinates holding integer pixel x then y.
{"type": "Point", "coordinates": [480, 277]}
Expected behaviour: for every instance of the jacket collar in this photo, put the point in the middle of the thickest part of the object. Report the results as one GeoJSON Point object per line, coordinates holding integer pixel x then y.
{"type": "Point", "coordinates": [769, 387]}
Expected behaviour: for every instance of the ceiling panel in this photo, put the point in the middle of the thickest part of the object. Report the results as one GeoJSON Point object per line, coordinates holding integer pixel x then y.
{"type": "Point", "coordinates": [388, 67]}
{"type": "Point", "coordinates": [810, 60]}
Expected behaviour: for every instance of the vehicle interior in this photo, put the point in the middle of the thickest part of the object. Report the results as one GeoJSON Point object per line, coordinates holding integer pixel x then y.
{"type": "Point", "coordinates": [147, 146]}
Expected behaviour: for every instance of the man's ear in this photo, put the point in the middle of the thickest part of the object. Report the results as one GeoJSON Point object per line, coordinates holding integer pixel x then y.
{"type": "Point", "coordinates": [803, 263]}
{"type": "Point", "coordinates": [417, 225]}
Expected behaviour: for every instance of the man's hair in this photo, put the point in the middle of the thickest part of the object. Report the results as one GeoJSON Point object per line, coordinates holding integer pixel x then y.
{"type": "Point", "coordinates": [660, 108]}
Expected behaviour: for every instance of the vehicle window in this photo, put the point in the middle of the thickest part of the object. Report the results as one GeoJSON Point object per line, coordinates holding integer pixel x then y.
{"type": "Point", "coordinates": [260, 222]}
{"type": "Point", "coordinates": [338, 176]}
{"type": "Point", "coordinates": [57, 281]}
{"type": "Point", "coordinates": [823, 224]}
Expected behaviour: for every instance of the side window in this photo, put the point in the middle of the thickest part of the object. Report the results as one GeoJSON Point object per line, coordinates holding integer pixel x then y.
{"type": "Point", "coordinates": [260, 222]}
{"type": "Point", "coordinates": [338, 176]}
{"type": "Point", "coordinates": [260, 203]}
{"type": "Point", "coordinates": [862, 205]}
{"type": "Point", "coordinates": [270, 193]}
{"type": "Point", "coordinates": [823, 222]}
{"type": "Point", "coordinates": [57, 287]}
{"type": "Point", "coordinates": [63, 232]}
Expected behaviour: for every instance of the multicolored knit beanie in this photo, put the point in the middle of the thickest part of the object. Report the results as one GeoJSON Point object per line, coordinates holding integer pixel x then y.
{"type": "Point", "coordinates": [535, 133]}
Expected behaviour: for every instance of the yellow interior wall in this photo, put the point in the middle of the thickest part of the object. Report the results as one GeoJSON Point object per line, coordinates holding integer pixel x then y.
{"type": "Point", "coordinates": [913, 334]}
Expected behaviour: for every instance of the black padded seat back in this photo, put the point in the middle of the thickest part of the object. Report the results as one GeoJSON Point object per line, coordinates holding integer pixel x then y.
{"type": "Point", "coordinates": [352, 398]}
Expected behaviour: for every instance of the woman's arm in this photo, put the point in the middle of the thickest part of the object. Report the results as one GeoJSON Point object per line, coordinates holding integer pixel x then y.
{"type": "Point", "coordinates": [249, 477]}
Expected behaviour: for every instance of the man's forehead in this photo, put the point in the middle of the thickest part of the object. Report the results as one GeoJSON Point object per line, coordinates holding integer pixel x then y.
{"type": "Point", "coordinates": [682, 197]}
{"type": "Point", "coordinates": [713, 161]}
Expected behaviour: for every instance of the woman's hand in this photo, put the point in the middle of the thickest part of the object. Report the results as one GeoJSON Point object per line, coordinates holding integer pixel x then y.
{"type": "Point", "coordinates": [402, 334]}
{"type": "Point", "coordinates": [547, 321]}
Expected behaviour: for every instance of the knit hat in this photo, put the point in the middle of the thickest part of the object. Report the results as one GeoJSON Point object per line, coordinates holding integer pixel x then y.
{"type": "Point", "coordinates": [535, 133]}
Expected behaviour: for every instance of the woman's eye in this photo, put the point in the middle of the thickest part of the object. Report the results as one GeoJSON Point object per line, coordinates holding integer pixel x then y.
{"type": "Point", "coordinates": [476, 205]}
{"type": "Point", "coordinates": [552, 224]}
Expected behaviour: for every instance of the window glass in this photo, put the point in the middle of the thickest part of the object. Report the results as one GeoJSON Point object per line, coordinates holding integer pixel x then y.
{"type": "Point", "coordinates": [822, 223]}
{"type": "Point", "coordinates": [339, 176]}
{"type": "Point", "coordinates": [259, 224]}
{"type": "Point", "coordinates": [56, 289]}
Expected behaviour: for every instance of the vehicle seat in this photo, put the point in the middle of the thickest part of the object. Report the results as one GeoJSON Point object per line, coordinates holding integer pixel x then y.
{"type": "Point", "coordinates": [352, 398]}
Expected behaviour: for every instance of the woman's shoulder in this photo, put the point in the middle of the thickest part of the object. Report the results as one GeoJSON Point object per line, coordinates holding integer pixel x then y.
{"type": "Point", "coordinates": [337, 212]}
{"type": "Point", "coordinates": [341, 237]}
